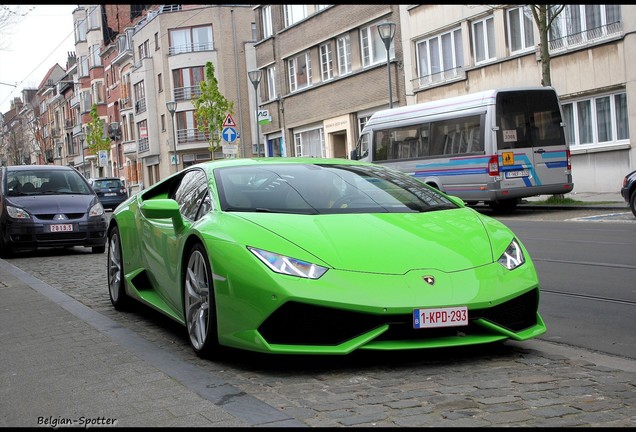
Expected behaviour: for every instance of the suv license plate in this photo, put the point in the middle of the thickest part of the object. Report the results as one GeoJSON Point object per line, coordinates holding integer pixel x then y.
{"type": "Point", "coordinates": [61, 227]}
{"type": "Point", "coordinates": [516, 174]}
{"type": "Point", "coordinates": [440, 317]}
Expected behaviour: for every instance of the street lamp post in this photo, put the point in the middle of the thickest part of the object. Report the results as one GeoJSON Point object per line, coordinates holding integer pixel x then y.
{"type": "Point", "coordinates": [255, 77]}
{"type": "Point", "coordinates": [172, 107]}
{"type": "Point", "coordinates": [387, 32]}
{"type": "Point", "coordinates": [83, 160]}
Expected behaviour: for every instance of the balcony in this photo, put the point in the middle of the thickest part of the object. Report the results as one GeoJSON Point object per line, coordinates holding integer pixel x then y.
{"type": "Point", "coordinates": [188, 48]}
{"type": "Point", "coordinates": [125, 103]}
{"type": "Point", "coordinates": [187, 93]}
{"type": "Point", "coordinates": [191, 136]}
{"type": "Point", "coordinates": [581, 39]}
{"type": "Point", "coordinates": [130, 147]}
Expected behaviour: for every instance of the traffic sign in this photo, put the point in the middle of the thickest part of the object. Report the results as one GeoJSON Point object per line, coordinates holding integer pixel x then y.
{"type": "Point", "coordinates": [229, 121]}
{"type": "Point", "coordinates": [229, 134]}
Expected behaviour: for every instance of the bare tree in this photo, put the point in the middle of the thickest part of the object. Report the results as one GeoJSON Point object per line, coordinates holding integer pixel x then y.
{"type": "Point", "coordinates": [544, 15]}
{"type": "Point", "coordinates": [10, 15]}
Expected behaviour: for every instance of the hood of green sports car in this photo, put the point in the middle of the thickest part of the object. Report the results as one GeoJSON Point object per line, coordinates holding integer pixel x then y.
{"type": "Point", "coordinates": [390, 243]}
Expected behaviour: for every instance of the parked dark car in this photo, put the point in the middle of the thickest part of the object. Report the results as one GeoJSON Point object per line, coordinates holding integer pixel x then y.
{"type": "Point", "coordinates": [111, 191]}
{"type": "Point", "coordinates": [628, 191]}
{"type": "Point", "coordinates": [48, 206]}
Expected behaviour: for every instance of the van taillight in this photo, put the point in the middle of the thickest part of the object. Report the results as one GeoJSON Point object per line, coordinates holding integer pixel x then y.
{"type": "Point", "coordinates": [567, 156]}
{"type": "Point", "coordinates": [493, 166]}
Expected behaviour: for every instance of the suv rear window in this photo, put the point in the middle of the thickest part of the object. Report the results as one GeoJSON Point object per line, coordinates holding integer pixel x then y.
{"type": "Point", "coordinates": [108, 184]}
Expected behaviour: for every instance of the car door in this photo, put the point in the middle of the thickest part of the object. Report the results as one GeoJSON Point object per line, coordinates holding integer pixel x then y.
{"type": "Point", "coordinates": [163, 244]}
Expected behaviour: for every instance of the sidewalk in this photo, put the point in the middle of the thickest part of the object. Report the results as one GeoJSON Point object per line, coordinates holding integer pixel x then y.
{"type": "Point", "coordinates": [66, 364]}
{"type": "Point", "coordinates": [609, 200]}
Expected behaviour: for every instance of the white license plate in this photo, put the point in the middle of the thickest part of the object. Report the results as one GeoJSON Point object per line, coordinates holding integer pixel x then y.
{"type": "Point", "coordinates": [516, 174]}
{"type": "Point", "coordinates": [440, 317]}
{"type": "Point", "coordinates": [110, 194]}
{"type": "Point", "coordinates": [61, 227]}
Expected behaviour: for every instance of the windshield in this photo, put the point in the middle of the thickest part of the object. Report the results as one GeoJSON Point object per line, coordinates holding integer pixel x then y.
{"type": "Point", "coordinates": [45, 182]}
{"type": "Point", "coordinates": [324, 189]}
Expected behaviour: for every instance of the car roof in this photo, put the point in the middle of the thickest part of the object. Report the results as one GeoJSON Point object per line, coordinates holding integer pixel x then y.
{"type": "Point", "coordinates": [277, 160]}
{"type": "Point", "coordinates": [40, 167]}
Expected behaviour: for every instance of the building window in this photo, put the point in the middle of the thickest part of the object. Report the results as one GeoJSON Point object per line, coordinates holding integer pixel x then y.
{"type": "Point", "coordinates": [157, 42]}
{"type": "Point", "coordinates": [310, 143]}
{"type": "Point", "coordinates": [142, 133]}
{"type": "Point", "coordinates": [140, 97]}
{"type": "Point", "coordinates": [484, 40]}
{"type": "Point", "coordinates": [344, 55]}
{"type": "Point", "coordinates": [95, 58]}
{"type": "Point", "coordinates": [520, 29]}
{"type": "Point", "coordinates": [143, 50]}
{"type": "Point", "coordinates": [86, 101]}
{"type": "Point", "coordinates": [294, 13]}
{"type": "Point", "coordinates": [160, 83]}
{"type": "Point", "coordinates": [81, 27]}
{"type": "Point", "coordinates": [440, 57]}
{"type": "Point", "coordinates": [163, 122]}
{"type": "Point", "coordinates": [271, 83]}
{"type": "Point", "coordinates": [98, 92]}
{"type": "Point", "coordinates": [373, 49]}
{"type": "Point", "coordinates": [600, 120]}
{"type": "Point", "coordinates": [266, 16]}
{"type": "Point", "coordinates": [94, 17]}
{"type": "Point", "coordinates": [581, 24]}
{"type": "Point", "coordinates": [83, 66]}
{"type": "Point", "coordinates": [186, 83]}
{"type": "Point", "coordinates": [299, 68]}
{"type": "Point", "coordinates": [191, 39]}
{"type": "Point", "coordinates": [326, 61]}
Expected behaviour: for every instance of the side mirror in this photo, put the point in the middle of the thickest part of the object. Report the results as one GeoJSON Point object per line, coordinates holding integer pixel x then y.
{"type": "Point", "coordinates": [163, 209]}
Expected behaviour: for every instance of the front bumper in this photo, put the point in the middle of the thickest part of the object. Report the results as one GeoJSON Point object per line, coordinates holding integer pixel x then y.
{"type": "Point", "coordinates": [29, 234]}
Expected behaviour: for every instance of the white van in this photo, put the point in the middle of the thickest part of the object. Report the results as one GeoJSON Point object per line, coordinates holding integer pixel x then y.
{"type": "Point", "coordinates": [495, 146]}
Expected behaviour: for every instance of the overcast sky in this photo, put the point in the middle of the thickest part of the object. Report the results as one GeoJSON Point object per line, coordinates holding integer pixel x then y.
{"type": "Point", "coordinates": [40, 40]}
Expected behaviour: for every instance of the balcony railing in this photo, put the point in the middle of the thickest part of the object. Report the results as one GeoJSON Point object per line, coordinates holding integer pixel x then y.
{"type": "Point", "coordinates": [575, 40]}
{"type": "Point", "coordinates": [438, 77]}
{"type": "Point", "coordinates": [193, 47]}
{"type": "Point", "coordinates": [189, 136]}
{"type": "Point", "coordinates": [187, 93]}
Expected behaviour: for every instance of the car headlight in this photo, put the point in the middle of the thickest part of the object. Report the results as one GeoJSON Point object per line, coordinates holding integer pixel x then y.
{"type": "Point", "coordinates": [96, 210]}
{"type": "Point", "coordinates": [289, 266]}
{"type": "Point", "coordinates": [512, 256]}
{"type": "Point", "coordinates": [18, 213]}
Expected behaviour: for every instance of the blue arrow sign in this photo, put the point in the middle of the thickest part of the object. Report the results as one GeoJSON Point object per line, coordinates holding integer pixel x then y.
{"type": "Point", "coordinates": [229, 134]}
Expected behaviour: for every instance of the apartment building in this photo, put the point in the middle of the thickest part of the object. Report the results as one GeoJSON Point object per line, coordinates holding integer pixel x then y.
{"type": "Point", "coordinates": [130, 61]}
{"type": "Point", "coordinates": [324, 70]}
{"type": "Point", "coordinates": [326, 73]}
{"type": "Point", "coordinates": [172, 45]}
{"type": "Point", "coordinates": [482, 47]}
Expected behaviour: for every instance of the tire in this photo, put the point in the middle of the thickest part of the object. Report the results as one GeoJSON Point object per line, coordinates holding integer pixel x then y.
{"type": "Point", "coordinates": [5, 249]}
{"type": "Point", "coordinates": [199, 305]}
{"type": "Point", "coordinates": [98, 249]}
{"type": "Point", "coordinates": [116, 282]}
{"type": "Point", "coordinates": [504, 206]}
{"type": "Point", "coordinates": [632, 202]}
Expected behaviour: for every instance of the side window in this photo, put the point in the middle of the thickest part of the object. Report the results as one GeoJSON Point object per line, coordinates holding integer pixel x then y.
{"type": "Point", "coordinates": [191, 193]}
